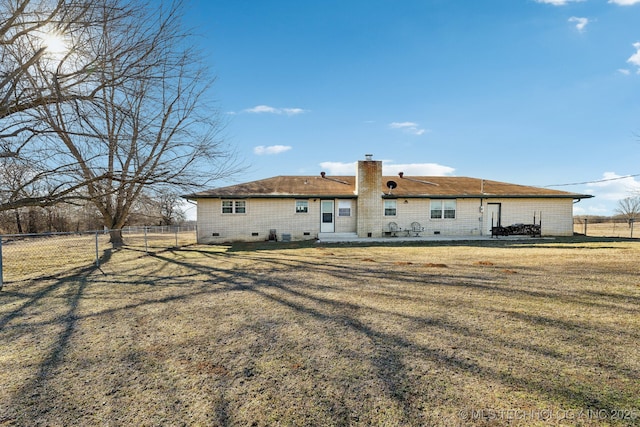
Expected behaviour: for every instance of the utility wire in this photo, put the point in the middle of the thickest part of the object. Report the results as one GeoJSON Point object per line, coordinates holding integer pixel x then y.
{"type": "Point", "coordinates": [594, 182]}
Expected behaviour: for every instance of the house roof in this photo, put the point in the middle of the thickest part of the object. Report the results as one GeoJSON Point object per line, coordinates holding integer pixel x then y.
{"type": "Point", "coordinates": [406, 186]}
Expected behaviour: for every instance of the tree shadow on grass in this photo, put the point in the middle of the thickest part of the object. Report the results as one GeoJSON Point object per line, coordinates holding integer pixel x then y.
{"type": "Point", "coordinates": [29, 299]}
{"type": "Point", "coordinates": [72, 285]}
{"type": "Point", "coordinates": [391, 350]}
{"type": "Point", "coordinates": [30, 394]}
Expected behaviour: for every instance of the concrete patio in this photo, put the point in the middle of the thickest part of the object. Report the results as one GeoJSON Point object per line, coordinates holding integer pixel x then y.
{"type": "Point", "coordinates": [353, 237]}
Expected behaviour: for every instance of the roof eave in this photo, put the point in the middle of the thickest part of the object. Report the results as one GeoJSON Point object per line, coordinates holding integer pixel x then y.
{"type": "Point", "coordinates": [392, 196]}
{"type": "Point", "coordinates": [488, 196]}
{"type": "Point", "coordinates": [270, 196]}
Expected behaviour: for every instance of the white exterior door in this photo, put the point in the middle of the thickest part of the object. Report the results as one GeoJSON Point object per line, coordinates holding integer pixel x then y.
{"type": "Point", "coordinates": [492, 216]}
{"type": "Point", "coordinates": [327, 216]}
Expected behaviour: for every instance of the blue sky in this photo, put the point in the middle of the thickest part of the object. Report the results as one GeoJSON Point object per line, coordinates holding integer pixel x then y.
{"type": "Point", "coordinates": [533, 92]}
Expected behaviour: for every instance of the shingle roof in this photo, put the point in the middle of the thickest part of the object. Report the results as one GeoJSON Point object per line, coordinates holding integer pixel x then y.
{"type": "Point", "coordinates": [413, 186]}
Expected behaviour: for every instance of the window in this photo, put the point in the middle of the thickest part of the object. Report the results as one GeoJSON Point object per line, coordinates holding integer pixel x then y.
{"type": "Point", "coordinates": [443, 209]}
{"type": "Point", "coordinates": [450, 209]}
{"type": "Point", "coordinates": [389, 208]}
{"type": "Point", "coordinates": [302, 206]}
{"type": "Point", "coordinates": [344, 207]}
{"type": "Point", "coordinates": [234, 206]}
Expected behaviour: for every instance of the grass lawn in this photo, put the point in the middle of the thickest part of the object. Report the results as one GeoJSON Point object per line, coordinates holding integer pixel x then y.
{"type": "Point", "coordinates": [539, 332]}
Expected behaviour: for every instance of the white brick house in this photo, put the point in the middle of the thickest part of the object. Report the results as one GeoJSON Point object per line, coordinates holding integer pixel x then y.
{"type": "Point", "coordinates": [372, 205]}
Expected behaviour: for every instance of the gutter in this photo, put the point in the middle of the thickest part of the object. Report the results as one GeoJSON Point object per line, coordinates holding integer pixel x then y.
{"type": "Point", "coordinates": [391, 196]}
{"type": "Point", "coordinates": [487, 196]}
{"type": "Point", "coordinates": [271, 196]}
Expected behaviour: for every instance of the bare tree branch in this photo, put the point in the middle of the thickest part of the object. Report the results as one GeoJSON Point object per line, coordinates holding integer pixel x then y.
{"type": "Point", "coordinates": [124, 110]}
{"type": "Point", "coordinates": [629, 208]}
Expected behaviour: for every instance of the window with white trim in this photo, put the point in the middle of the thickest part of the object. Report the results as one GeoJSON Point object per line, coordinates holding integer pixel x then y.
{"type": "Point", "coordinates": [234, 206]}
{"type": "Point", "coordinates": [390, 207]}
{"type": "Point", "coordinates": [302, 206]}
{"type": "Point", "coordinates": [344, 207]}
{"type": "Point", "coordinates": [443, 209]}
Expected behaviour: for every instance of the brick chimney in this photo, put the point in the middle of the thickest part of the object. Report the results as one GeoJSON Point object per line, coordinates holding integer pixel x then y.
{"type": "Point", "coordinates": [369, 192]}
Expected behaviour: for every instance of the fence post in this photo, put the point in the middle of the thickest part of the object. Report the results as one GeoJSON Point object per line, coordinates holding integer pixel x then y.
{"type": "Point", "coordinates": [146, 247]}
{"type": "Point", "coordinates": [1, 280]}
{"type": "Point", "coordinates": [586, 220]}
{"type": "Point", "coordinates": [97, 252]}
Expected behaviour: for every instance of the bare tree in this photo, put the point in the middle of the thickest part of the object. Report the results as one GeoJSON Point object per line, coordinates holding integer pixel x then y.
{"type": "Point", "coordinates": [153, 128]}
{"type": "Point", "coordinates": [42, 61]}
{"type": "Point", "coordinates": [123, 111]}
{"type": "Point", "coordinates": [25, 182]}
{"type": "Point", "coordinates": [629, 208]}
{"type": "Point", "coordinates": [18, 184]}
{"type": "Point", "coordinates": [169, 206]}
{"type": "Point", "coordinates": [162, 207]}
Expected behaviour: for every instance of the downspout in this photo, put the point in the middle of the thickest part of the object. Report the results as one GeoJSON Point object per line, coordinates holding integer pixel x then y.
{"type": "Point", "coordinates": [481, 208]}
{"type": "Point", "coordinates": [481, 217]}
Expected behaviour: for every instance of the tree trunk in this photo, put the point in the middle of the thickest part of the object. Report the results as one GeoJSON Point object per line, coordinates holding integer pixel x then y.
{"type": "Point", "coordinates": [31, 222]}
{"type": "Point", "coordinates": [115, 238]}
{"type": "Point", "coordinates": [18, 222]}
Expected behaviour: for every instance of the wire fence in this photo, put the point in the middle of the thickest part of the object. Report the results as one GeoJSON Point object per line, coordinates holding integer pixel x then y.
{"type": "Point", "coordinates": [33, 256]}
{"type": "Point", "coordinates": [620, 229]}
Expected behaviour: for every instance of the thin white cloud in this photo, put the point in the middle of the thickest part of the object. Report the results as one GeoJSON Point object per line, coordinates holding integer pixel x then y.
{"type": "Point", "coordinates": [267, 109]}
{"type": "Point", "coordinates": [615, 187]}
{"type": "Point", "coordinates": [259, 109]}
{"type": "Point", "coordinates": [293, 111]}
{"type": "Point", "coordinates": [625, 2]}
{"type": "Point", "coordinates": [417, 169]}
{"type": "Point", "coordinates": [581, 23]}
{"type": "Point", "coordinates": [390, 168]}
{"type": "Point", "coordinates": [635, 58]}
{"type": "Point", "coordinates": [586, 207]}
{"type": "Point", "coordinates": [262, 150]}
{"type": "Point", "coordinates": [339, 168]}
{"type": "Point", "coordinates": [558, 2]}
{"type": "Point", "coordinates": [402, 125]}
{"type": "Point", "coordinates": [624, 71]}
{"type": "Point", "coordinates": [408, 127]}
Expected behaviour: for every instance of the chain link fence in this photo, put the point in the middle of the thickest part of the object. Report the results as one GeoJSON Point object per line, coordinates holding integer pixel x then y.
{"type": "Point", "coordinates": [33, 256]}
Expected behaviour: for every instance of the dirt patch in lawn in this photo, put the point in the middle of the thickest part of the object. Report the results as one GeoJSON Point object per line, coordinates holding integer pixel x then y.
{"type": "Point", "coordinates": [344, 335]}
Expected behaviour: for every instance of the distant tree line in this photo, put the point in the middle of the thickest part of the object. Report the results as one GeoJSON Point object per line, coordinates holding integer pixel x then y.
{"type": "Point", "coordinates": [598, 219]}
{"type": "Point", "coordinates": [162, 210]}
{"type": "Point", "coordinates": [627, 210]}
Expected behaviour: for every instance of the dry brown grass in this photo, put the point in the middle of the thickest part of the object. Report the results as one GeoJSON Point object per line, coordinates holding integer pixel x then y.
{"type": "Point", "coordinates": [526, 333]}
{"type": "Point", "coordinates": [48, 255]}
